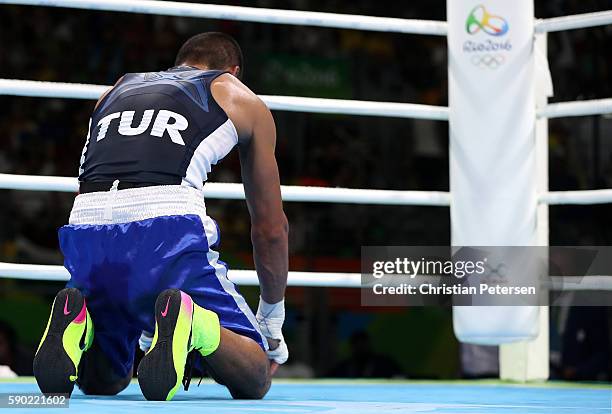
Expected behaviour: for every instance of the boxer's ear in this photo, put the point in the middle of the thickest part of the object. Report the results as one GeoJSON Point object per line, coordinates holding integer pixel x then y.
{"type": "Point", "coordinates": [236, 71]}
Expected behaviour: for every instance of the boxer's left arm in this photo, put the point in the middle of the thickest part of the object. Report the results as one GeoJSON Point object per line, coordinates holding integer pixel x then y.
{"type": "Point", "coordinates": [269, 227]}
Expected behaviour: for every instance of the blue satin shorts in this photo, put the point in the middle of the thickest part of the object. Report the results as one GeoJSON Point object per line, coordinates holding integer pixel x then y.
{"type": "Point", "coordinates": [121, 268]}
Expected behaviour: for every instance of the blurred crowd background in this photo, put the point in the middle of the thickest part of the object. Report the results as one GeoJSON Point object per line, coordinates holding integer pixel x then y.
{"type": "Point", "coordinates": [328, 332]}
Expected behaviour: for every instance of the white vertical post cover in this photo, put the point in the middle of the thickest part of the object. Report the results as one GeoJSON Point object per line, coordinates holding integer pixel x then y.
{"type": "Point", "coordinates": [529, 360]}
{"type": "Point", "coordinates": [492, 147]}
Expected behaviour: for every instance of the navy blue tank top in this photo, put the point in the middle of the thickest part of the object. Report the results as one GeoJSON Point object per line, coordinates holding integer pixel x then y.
{"type": "Point", "coordinates": [153, 128]}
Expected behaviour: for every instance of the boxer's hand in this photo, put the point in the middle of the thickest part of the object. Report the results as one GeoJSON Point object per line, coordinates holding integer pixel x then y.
{"type": "Point", "coordinates": [270, 318]}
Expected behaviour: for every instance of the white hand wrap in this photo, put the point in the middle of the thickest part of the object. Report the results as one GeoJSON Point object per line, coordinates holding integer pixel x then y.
{"type": "Point", "coordinates": [7, 372]}
{"type": "Point", "coordinates": [145, 341]}
{"type": "Point", "coordinates": [270, 319]}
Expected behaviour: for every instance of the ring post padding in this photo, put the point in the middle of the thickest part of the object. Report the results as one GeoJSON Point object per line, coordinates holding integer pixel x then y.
{"type": "Point", "coordinates": [529, 360]}
{"type": "Point", "coordinates": [492, 148]}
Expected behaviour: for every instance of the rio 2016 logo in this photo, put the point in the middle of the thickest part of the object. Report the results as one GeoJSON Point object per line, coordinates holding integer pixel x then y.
{"type": "Point", "coordinates": [480, 19]}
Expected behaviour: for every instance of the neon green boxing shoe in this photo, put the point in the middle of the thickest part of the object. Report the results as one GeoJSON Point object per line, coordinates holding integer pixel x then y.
{"type": "Point", "coordinates": [180, 327]}
{"type": "Point", "coordinates": [69, 333]}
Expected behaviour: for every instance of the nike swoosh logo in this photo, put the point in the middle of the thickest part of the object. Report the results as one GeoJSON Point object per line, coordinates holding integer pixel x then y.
{"type": "Point", "coordinates": [66, 307]}
{"type": "Point", "coordinates": [165, 312]}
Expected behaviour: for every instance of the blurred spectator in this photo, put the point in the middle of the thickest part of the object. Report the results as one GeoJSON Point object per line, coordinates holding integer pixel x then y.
{"type": "Point", "coordinates": [585, 353]}
{"type": "Point", "coordinates": [11, 355]}
{"type": "Point", "coordinates": [364, 362]}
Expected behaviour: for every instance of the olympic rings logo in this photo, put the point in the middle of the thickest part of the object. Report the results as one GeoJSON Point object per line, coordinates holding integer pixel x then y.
{"type": "Point", "coordinates": [489, 61]}
{"type": "Point", "coordinates": [479, 18]}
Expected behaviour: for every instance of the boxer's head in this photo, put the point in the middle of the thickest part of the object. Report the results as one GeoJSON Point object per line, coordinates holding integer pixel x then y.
{"type": "Point", "coordinates": [212, 50]}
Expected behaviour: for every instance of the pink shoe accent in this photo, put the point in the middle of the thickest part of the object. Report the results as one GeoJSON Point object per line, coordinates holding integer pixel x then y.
{"type": "Point", "coordinates": [66, 311]}
{"type": "Point", "coordinates": [187, 303]}
{"type": "Point", "coordinates": [165, 311]}
{"type": "Point", "coordinates": [82, 315]}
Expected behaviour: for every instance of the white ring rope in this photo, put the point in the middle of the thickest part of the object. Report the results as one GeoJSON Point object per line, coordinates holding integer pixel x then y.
{"type": "Point", "coordinates": [305, 18]}
{"type": "Point", "coordinates": [576, 283]}
{"type": "Point", "coordinates": [308, 279]}
{"type": "Point", "coordinates": [240, 277]}
{"type": "Point", "coordinates": [577, 197]}
{"type": "Point", "coordinates": [577, 21]}
{"type": "Point", "coordinates": [577, 108]}
{"type": "Point", "coordinates": [236, 191]}
{"type": "Point", "coordinates": [282, 103]}
{"type": "Point", "coordinates": [40, 89]}
{"type": "Point", "coordinates": [251, 14]}
{"type": "Point", "coordinates": [352, 107]}
{"type": "Point", "coordinates": [18, 87]}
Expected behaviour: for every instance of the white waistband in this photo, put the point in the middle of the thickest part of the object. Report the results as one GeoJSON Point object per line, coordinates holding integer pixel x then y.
{"type": "Point", "coordinates": [134, 204]}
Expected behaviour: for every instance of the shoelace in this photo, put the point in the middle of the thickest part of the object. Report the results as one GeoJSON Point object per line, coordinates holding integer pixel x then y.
{"type": "Point", "coordinates": [189, 369]}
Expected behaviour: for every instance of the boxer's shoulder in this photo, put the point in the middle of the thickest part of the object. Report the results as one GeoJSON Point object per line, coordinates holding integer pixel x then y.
{"type": "Point", "coordinates": [228, 88]}
{"type": "Point", "coordinates": [241, 105]}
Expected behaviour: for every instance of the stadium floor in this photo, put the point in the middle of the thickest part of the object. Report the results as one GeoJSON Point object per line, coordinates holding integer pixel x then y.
{"type": "Point", "coordinates": [355, 397]}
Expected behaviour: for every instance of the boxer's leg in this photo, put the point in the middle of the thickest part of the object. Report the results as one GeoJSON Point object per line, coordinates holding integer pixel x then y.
{"type": "Point", "coordinates": [97, 375]}
{"type": "Point", "coordinates": [241, 365]}
{"type": "Point", "coordinates": [69, 353]}
{"type": "Point", "coordinates": [68, 335]}
{"type": "Point", "coordinates": [182, 326]}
